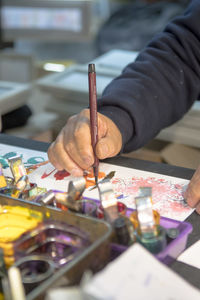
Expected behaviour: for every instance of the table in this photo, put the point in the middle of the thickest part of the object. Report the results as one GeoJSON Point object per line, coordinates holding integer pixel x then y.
{"type": "Point", "coordinates": [190, 273]}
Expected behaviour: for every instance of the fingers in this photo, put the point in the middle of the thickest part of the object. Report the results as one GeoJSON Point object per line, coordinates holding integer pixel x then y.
{"type": "Point", "coordinates": [192, 193]}
{"type": "Point", "coordinates": [61, 160]}
{"type": "Point", "coordinates": [72, 150]}
{"type": "Point", "coordinates": [81, 146]}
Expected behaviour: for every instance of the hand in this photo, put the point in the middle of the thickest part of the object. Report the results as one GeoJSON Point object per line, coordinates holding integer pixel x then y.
{"type": "Point", "coordinates": [192, 193]}
{"type": "Point", "coordinates": [72, 149]}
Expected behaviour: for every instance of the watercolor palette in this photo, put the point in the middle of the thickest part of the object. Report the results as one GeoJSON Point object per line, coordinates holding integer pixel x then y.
{"type": "Point", "coordinates": [89, 239]}
{"type": "Point", "coordinates": [59, 242]}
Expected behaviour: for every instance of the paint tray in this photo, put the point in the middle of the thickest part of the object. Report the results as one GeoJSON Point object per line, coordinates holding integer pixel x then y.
{"type": "Point", "coordinates": [58, 241]}
{"type": "Point", "coordinates": [94, 256]}
{"type": "Point", "coordinates": [174, 247]}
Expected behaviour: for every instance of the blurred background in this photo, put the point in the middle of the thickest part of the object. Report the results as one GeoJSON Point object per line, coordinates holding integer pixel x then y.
{"type": "Point", "coordinates": [45, 47]}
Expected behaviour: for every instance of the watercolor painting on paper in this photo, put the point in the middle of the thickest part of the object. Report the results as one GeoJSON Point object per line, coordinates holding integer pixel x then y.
{"type": "Point", "coordinates": [167, 191]}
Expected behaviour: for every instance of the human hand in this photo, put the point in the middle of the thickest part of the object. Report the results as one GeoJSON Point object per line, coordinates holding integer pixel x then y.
{"type": "Point", "coordinates": [72, 149]}
{"type": "Point", "coordinates": [192, 193]}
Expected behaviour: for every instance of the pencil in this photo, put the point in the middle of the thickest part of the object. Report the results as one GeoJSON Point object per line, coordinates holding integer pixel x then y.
{"type": "Point", "coordinates": [93, 116]}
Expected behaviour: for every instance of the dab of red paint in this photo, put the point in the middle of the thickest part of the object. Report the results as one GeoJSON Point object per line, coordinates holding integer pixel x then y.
{"type": "Point", "coordinates": [60, 175]}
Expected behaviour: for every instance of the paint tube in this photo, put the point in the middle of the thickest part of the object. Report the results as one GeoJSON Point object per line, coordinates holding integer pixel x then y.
{"type": "Point", "coordinates": [74, 193]}
{"type": "Point", "coordinates": [145, 216]}
{"type": "Point", "coordinates": [150, 235]}
{"type": "Point", "coordinates": [47, 198]}
{"type": "Point", "coordinates": [3, 182]}
{"type": "Point", "coordinates": [17, 167]}
{"type": "Point", "coordinates": [108, 201]}
{"type": "Point", "coordinates": [20, 186]}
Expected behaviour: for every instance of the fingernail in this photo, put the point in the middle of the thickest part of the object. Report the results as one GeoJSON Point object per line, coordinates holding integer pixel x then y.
{"type": "Point", "coordinates": [76, 172]}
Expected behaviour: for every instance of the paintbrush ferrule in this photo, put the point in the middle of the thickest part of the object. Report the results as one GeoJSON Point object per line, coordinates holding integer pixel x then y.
{"type": "Point", "coordinates": [91, 68]}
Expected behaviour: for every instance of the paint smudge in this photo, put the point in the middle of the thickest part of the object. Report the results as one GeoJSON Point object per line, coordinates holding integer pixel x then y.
{"type": "Point", "coordinates": [36, 166]}
{"type": "Point", "coordinates": [90, 180]}
{"type": "Point", "coordinates": [45, 174]}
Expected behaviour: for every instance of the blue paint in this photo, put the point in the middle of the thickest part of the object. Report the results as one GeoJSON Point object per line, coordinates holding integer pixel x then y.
{"type": "Point", "coordinates": [30, 161]}
{"type": "Point", "coordinates": [34, 161]}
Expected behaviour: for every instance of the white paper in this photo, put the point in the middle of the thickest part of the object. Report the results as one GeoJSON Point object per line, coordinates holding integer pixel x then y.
{"type": "Point", "coordinates": [191, 255]}
{"type": "Point", "coordinates": [137, 274]}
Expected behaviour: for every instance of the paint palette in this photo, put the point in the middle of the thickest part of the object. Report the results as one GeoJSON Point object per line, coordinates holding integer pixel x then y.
{"type": "Point", "coordinates": [63, 245]}
{"type": "Point", "coordinates": [59, 242]}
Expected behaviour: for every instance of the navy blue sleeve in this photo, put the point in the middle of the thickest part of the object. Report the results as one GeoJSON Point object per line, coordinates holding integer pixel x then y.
{"type": "Point", "coordinates": [160, 87]}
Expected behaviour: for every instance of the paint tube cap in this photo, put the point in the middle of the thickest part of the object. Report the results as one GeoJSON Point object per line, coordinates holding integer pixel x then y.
{"type": "Point", "coordinates": [172, 233]}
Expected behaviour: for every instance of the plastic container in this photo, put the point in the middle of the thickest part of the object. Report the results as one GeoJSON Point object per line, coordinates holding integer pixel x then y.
{"type": "Point", "coordinates": [174, 247]}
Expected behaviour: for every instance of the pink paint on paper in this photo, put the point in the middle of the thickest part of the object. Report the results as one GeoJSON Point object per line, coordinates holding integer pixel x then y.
{"type": "Point", "coordinates": [167, 197]}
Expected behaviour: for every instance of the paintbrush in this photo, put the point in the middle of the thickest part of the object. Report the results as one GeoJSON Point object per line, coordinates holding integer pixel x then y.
{"type": "Point", "coordinates": [93, 116]}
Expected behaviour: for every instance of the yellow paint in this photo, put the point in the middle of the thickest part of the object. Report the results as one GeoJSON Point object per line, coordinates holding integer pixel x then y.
{"type": "Point", "coordinates": [1, 296]}
{"type": "Point", "coordinates": [3, 182]}
{"type": "Point", "coordinates": [9, 261]}
{"type": "Point", "coordinates": [48, 214]}
{"type": "Point", "coordinates": [16, 220]}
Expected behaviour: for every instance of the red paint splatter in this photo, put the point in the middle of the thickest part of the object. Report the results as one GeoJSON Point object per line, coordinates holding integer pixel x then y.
{"type": "Point", "coordinates": [45, 175]}
{"type": "Point", "coordinates": [60, 175]}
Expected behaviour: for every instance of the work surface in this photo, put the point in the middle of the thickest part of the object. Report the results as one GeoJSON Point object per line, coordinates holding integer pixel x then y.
{"type": "Point", "coordinates": [191, 274]}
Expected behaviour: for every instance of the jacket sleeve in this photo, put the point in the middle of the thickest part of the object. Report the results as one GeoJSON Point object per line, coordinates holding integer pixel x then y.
{"type": "Point", "coordinates": [160, 87]}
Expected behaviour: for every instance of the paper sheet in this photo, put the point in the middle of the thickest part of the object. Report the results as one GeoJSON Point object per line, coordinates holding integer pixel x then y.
{"type": "Point", "coordinates": [191, 255]}
{"type": "Point", "coordinates": [167, 191]}
{"type": "Point", "coordinates": [29, 157]}
{"type": "Point", "coordinates": [137, 274]}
